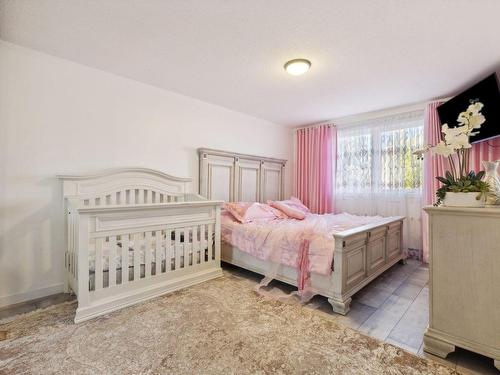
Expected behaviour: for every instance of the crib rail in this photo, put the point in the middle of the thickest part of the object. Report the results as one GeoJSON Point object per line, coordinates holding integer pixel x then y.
{"type": "Point", "coordinates": [129, 196]}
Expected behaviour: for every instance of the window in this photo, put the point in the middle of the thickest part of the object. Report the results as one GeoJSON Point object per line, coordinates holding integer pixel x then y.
{"type": "Point", "coordinates": [354, 161]}
{"type": "Point", "coordinates": [377, 173]}
{"type": "Point", "coordinates": [400, 169]}
{"type": "Point", "coordinates": [377, 155]}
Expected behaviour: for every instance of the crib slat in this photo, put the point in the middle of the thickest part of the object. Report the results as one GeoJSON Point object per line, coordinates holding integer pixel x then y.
{"type": "Point", "coordinates": [123, 197]}
{"type": "Point", "coordinates": [133, 196]}
{"type": "Point", "coordinates": [209, 244]}
{"type": "Point", "coordinates": [187, 246]}
{"type": "Point", "coordinates": [137, 256]}
{"type": "Point", "coordinates": [112, 198]}
{"type": "Point", "coordinates": [168, 251]}
{"type": "Point", "coordinates": [148, 245]}
{"type": "Point", "coordinates": [203, 243]}
{"type": "Point", "coordinates": [125, 246]}
{"type": "Point", "coordinates": [112, 261]}
{"type": "Point", "coordinates": [98, 264]}
{"type": "Point", "coordinates": [194, 247]}
{"type": "Point", "coordinates": [159, 241]}
{"type": "Point", "coordinates": [217, 237]}
{"type": "Point", "coordinates": [149, 196]}
{"type": "Point", "coordinates": [200, 243]}
{"type": "Point", "coordinates": [177, 248]}
{"type": "Point", "coordinates": [140, 196]}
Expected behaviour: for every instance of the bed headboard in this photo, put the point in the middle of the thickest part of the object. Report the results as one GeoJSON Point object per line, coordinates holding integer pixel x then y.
{"type": "Point", "coordinates": [232, 177]}
{"type": "Point", "coordinates": [123, 186]}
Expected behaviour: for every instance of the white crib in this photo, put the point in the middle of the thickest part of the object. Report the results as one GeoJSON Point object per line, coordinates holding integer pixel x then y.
{"type": "Point", "coordinates": [134, 234]}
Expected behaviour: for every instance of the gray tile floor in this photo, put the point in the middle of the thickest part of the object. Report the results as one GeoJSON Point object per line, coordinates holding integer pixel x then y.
{"type": "Point", "coordinates": [393, 308]}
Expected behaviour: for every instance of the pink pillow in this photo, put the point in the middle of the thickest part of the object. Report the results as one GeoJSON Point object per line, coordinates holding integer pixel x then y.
{"type": "Point", "coordinates": [276, 211]}
{"type": "Point", "coordinates": [294, 203]}
{"type": "Point", "coordinates": [237, 209]}
{"type": "Point", "coordinates": [290, 211]}
{"type": "Point", "coordinates": [246, 212]}
{"type": "Point", "coordinates": [297, 204]}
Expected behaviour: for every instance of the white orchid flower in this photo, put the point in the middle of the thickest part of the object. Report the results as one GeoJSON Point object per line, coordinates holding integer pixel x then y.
{"type": "Point", "coordinates": [461, 141]}
{"type": "Point", "coordinates": [463, 118]}
{"type": "Point", "coordinates": [420, 153]}
{"type": "Point", "coordinates": [475, 108]}
{"type": "Point", "coordinates": [457, 138]}
{"type": "Point", "coordinates": [475, 121]}
{"type": "Point", "coordinates": [451, 133]}
{"type": "Point", "coordinates": [442, 149]}
{"type": "Point", "coordinates": [472, 117]}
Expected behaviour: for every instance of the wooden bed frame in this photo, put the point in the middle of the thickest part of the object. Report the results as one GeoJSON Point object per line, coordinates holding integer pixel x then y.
{"type": "Point", "coordinates": [361, 254]}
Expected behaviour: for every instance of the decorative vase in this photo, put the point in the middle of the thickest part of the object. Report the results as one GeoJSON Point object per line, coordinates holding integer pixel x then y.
{"type": "Point", "coordinates": [491, 178]}
{"type": "Point", "coordinates": [463, 200]}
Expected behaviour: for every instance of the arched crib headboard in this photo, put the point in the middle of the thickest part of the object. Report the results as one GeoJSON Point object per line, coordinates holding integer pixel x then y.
{"type": "Point", "coordinates": [124, 186]}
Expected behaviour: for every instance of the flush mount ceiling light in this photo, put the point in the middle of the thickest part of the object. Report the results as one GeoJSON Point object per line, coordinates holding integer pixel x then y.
{"type": "Point", "coordinates": [297, 67]}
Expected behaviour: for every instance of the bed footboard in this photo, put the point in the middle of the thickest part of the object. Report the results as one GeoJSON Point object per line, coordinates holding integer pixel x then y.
{"type": "Point", "coordinates": [361, 255]}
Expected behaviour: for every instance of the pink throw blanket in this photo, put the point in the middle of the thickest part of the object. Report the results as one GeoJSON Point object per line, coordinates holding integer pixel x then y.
{"type": "Point", "coordinates": [306, 245]}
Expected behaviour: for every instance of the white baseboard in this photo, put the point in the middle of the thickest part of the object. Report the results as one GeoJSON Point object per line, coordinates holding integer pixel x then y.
{"type": "Point", "coordinates": [30, 295]}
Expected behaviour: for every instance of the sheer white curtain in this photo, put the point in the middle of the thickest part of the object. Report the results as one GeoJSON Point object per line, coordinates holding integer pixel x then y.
{"type": "Point", "coordinates": [377, 174]}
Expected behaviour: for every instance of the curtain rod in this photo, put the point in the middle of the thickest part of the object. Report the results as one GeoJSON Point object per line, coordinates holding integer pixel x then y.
{"type": "Point", "coordinates": [326, 123]}
{"type": "Point", "coordinates": [373, 114]}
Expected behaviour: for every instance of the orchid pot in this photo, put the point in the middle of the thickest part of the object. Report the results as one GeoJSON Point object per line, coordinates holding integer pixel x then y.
{"type": "Point", "coordinates": [463, 200]}
{"type": "Point", "coordinates": [464, 191]}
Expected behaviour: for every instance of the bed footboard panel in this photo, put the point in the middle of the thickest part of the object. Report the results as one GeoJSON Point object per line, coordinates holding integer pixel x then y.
{"type": "Point", "coordinates": [360, 256]}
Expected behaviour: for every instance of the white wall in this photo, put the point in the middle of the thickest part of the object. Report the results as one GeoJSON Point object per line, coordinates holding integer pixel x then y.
{"type": "Point", "coordinates": [60, 117]}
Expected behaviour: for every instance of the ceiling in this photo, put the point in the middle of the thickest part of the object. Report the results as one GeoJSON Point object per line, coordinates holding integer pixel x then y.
{"type": "Point", "coordinates": [366, 55]}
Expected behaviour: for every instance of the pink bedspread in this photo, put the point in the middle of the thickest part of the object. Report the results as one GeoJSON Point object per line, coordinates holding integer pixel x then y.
{"type": "Point", "coordinates": [279, 240]}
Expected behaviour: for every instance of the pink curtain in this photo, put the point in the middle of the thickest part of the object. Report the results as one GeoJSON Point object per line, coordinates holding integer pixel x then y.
{"type": "Point", "coordinates": [435, 165]}
{"type": "Point", "coordinates": [315, 157]}
{"type": "Point", "coordinates": [486, 150]}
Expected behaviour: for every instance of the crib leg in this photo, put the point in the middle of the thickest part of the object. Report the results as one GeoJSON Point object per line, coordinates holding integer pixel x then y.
{"type": "Point", "coordinates": [66, 288]}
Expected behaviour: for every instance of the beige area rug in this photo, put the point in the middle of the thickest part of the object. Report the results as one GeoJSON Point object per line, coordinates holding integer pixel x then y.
{"type": "Point", "coordinates": [218, 327]}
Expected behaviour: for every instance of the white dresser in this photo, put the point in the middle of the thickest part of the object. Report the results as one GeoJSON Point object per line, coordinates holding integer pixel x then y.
{"type": "Point", "coordinates": [464, 281]}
